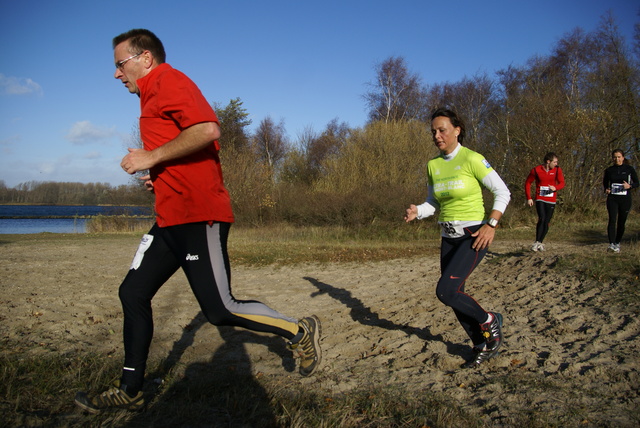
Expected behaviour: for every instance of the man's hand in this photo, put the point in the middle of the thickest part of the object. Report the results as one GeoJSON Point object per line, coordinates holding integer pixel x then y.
{"type": "Point", "coordinates": [190, 140]}
{"type": "Point", "coordinates": [137, 160]}
{"type": "Point", "coordinates": [148, 184]}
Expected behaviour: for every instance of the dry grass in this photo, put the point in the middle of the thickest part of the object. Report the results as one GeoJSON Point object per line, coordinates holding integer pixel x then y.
{"type": "Point", "coordinates": [118, 224]}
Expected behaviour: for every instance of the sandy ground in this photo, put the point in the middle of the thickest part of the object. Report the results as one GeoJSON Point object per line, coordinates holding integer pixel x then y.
{"type": "Point", "coordinates": [566, 348]}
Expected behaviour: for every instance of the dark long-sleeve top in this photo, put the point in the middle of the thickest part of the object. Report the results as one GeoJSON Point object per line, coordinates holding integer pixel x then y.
{"type": "Point", "coordinates": [615, 175]}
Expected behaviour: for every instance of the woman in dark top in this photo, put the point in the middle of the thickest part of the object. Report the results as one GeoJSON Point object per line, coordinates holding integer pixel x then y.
{"type": "Point", "coordinates": [618, 181]}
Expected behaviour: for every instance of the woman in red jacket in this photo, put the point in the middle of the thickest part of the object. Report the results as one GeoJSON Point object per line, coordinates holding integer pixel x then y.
{"type": "Point", "coordinates": [549, 179]}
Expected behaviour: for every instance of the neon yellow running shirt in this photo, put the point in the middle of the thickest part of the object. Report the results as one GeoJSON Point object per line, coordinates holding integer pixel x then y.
{"type": "Point", "coordinates": [456, 185]}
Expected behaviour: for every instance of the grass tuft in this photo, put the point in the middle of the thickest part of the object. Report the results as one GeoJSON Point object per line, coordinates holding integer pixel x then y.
{"type": "Point", "coordinates": [118, 224]}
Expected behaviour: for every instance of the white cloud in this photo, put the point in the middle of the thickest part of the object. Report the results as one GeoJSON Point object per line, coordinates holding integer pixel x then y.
{"type": "Point", "coordinates": [60, 164]}
{"type": "Point", "coordinates": [84, 132]}
{"type": "Point", "coordinates": [19, 85]}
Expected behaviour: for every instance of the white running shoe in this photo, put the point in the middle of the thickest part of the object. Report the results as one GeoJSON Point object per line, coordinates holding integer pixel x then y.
{"type": "Point", "coordinates": [540, 246]}
{"type": "Point", "coordinates": [616, 248]}
{"type": "Point", "coordinates": [535, 246]}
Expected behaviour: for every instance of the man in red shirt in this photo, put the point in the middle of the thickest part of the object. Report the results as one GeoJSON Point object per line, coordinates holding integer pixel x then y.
{"type": "Point", "coordinates": [549, 179]}
{"type": "Point", "coordinates": [180, 130]}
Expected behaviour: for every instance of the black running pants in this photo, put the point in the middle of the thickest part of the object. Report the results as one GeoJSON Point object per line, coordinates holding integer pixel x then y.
{"type": "Point", "coordinates": [457, 261]}
{"type": "Point", "coordinates": [200, 250]}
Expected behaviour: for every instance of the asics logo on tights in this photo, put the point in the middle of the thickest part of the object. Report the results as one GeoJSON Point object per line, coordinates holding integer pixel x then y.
{"type": "Point", "coordinates": [192, 257]}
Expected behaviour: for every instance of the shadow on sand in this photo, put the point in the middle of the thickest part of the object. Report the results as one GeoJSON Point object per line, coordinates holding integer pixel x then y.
{"type": "Point", "coordinates": [362, 314]}
{"type": "Point", "coordinates": [222, 391]}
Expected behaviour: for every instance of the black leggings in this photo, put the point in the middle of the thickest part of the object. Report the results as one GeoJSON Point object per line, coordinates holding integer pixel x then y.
{"type": "Point", "coordinates": [201, 251]}
{"type": "Point", "coordinates": [545, 212]}
{"type": "Point", "coordinates": [618, 207]}
{"type": "Point", "coordinates": [457, 261]}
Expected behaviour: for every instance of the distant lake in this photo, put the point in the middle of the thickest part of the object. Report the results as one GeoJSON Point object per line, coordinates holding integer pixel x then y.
{"type": "Point", "coordinates": [20, 219]}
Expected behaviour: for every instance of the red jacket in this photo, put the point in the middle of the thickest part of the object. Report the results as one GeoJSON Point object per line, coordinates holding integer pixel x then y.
{"type": "Point", "coordinates": [544, 179]}
{"type": "Point", "coordinates": [189, 189]}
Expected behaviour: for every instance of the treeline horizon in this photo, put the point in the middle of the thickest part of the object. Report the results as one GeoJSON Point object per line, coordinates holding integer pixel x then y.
{"type": "Point", "coordinates": [72, 193]}
{"type": "Point", "coordinates": [581, 101]}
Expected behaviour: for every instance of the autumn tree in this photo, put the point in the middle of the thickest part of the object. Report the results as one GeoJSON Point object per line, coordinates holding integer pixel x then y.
{"type": "Point", "coordinates": [304, 163]}
{"type": "Point", "coordinates": [580, 102]}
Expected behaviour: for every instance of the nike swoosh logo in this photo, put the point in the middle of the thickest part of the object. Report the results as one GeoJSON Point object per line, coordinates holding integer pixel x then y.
{"type": "Point", "coordinates": [454, 277]}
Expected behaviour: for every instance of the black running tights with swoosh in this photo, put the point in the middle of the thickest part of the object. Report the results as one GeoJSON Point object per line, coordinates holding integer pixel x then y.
{"type": "Point", "coordinates": [457, 261]}
{"type": "Point", "coordinates": [200, 250]}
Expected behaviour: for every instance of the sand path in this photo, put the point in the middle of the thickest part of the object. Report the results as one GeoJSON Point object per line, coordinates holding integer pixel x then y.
{"type": "Point", "coordinates": [565, 342]}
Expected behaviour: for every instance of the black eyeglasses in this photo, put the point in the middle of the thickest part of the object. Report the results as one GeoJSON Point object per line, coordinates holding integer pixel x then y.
{"type": "Point", "coordinates": [120, 64]}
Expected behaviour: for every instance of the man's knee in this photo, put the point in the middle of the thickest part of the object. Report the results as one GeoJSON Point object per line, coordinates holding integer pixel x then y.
{"type": "Point", "coordinates": [131, 295]}
{"type": "Point", "coordinates": [219, 317]}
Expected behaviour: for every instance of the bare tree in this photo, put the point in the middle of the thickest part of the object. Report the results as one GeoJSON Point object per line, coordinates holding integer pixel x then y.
{"type": "Point", "coordinates": [270, 142]}
{"type": "Point", "coordinates": [396, 94]}
{"type": "Point", "coordinates": [296, 168]}
{"type": "Point", "coordinates": [474, 99]}
{"type": "Point", "coordinates": [327, 144]}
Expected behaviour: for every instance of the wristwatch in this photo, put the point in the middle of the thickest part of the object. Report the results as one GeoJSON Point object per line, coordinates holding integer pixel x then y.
{"type": "Point", "coordinates": [492, 222]}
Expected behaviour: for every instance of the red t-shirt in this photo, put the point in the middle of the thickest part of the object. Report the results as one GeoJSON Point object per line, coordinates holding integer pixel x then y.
{"type": "Point", "coordinates": [189, 189]}
{"type": "Point", "coordinates": [544, 179]}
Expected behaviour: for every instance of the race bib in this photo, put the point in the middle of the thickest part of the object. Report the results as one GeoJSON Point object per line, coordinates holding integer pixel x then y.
{"type": "Point", "coordinates": [618, 189]}
{"type": "Point", "coordinates": [452, 229]}
{"type": "Point", "coordinates": [545, 191]}
{"type": "Point", "coordinates": [145, 243]}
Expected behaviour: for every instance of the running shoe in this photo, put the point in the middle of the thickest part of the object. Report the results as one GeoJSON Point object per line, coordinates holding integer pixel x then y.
{"type": "Point", "coordinates": [540, 246]}
{"type": "Point", "coordinates": [481, 355]}
{"type": "Point", "coordinates": [611, 247]}
{"type": "Point", "coordinates": [492, 332]}
{"type": "Point", "coordinates": [113, 398]}
{"type": "Point", "coordinates": [616, 248]}
{"type": "Point", "coordinates": [535, 246]}
{"type": "Point", "coordinates": [308, 348]}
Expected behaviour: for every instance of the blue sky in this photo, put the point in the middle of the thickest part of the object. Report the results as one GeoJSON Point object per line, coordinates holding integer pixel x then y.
{"type": "Point", "coordinates": [63, 117]}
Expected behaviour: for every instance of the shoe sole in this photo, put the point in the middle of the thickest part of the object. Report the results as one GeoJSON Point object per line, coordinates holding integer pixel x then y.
{"type": "Point", "coordinates": [472, 364]}
{"type": "Point", "coordinates": [81, 401]}
{"type": "Point", "coordinates": [316, 344]}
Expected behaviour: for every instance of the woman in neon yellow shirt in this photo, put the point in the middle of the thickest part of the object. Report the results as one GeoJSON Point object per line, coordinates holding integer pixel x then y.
{"type": "Point", "coordinates": [454, 188]}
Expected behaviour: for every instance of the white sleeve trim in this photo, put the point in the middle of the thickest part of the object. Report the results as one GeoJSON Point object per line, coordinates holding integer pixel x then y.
{"type": "Point", "coordinates": [501, 193]}
{"type": "Point", "coordinates": [429, 207]}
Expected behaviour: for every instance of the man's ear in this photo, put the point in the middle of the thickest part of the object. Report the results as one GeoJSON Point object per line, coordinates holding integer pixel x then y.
{"type": "Point", "coordinates": [148, 59]}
